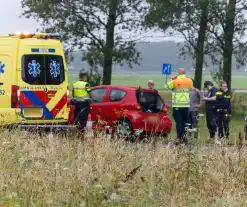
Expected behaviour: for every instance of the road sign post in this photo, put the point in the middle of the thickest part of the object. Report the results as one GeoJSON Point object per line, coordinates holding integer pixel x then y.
{"type": "Point", "coordinates": [166, 70]}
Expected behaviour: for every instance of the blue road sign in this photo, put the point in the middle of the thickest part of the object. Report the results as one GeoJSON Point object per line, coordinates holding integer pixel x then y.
{"type": "Point", "coordinates": [167, 69]}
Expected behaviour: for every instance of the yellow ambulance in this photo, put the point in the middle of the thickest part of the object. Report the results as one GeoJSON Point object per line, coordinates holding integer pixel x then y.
{"type": "Point", "coordinates": [33, 80]}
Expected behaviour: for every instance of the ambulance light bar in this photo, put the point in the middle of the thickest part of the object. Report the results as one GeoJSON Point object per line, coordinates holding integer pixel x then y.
{"type": "Point", "coordinates": [23, 35]}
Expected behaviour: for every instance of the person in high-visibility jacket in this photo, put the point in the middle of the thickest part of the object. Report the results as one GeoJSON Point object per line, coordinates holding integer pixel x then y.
{"type": "Point", "coordinates": [181, 87]}
{"type": "Point", "coordinates": [81, 99]}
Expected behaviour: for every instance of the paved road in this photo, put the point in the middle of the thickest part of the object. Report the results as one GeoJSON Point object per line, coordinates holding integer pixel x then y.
{"type": "Point", "coordinates": [236, 91]}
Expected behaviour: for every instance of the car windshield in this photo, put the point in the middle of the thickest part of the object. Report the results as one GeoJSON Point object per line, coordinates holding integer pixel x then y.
{"type": "Point", "coordinates": [43, 69]}
{"type": "Point", "coordinates": [150, 102]}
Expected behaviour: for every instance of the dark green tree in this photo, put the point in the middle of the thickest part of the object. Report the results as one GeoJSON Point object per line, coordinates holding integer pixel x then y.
{"type": "Point", "coordinates": [200, 41]}
{"type": "Point", "coordinates": [101, 28]}
{"type": "Point", "coordinates": [189, 18]}
{"type": "Point", "coordinates": [227, 27]}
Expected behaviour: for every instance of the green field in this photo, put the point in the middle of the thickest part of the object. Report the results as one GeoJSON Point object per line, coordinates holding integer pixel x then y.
{"type": "Point", "coordinates": [238, 81]}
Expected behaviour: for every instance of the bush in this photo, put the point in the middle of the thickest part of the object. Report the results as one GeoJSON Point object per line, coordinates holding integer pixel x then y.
{"type": "Point", "coordinates": [239, 103]}
{"type": "Point", "coordinates": [95, 79]}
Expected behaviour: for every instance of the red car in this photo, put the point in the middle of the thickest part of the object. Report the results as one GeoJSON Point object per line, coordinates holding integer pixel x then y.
{"type": "Point", "coordinates": [127, 110]}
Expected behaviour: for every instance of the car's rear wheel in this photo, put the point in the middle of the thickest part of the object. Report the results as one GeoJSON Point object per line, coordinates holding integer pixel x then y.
{"type": "Point", "coordinates": [124, 129]}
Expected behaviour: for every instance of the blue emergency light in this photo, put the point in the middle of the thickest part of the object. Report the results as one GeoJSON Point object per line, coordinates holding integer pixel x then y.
{"type": "Point", "coordinates": [43, 50]}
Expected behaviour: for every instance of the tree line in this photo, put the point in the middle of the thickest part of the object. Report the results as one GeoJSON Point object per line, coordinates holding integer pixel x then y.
{"type": "Point", "coordinates": [106, 31]}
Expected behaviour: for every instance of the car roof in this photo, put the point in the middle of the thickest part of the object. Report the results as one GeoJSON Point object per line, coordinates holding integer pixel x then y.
{"type": "Point", "coordinates": [123, 87]}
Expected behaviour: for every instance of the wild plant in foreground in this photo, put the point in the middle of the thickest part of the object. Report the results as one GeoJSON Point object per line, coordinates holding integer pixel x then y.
{"type": "Point", "coordinates": [39, 170]}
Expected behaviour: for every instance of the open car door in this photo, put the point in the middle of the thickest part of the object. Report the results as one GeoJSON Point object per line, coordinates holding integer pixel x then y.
{"type": "Point", "coordinates": [152, 106]}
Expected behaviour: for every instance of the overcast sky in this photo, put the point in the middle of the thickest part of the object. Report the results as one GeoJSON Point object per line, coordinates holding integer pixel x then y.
{"type": "Point", "coordinates": [9, 18]}
{"type": "Point", "coordinates": [11, 22]}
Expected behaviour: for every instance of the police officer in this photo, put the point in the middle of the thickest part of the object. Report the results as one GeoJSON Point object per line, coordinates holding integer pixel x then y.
{"type": "Point", "coordinates": [210, 101]}
{"type": "Point", "coordinates": [81, 99]}
{"type": "Point", "coordinates": [223, 110]}
{"type": "Point", "coordinates": [180, 86]}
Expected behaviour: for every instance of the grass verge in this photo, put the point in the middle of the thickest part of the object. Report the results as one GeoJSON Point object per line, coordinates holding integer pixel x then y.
{"type": "Point", "coordinates": [59, 171]}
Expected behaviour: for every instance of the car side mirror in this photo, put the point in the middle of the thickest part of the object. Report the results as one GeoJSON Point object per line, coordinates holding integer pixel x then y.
{"type": "Point", "coordinates": [165, 109]}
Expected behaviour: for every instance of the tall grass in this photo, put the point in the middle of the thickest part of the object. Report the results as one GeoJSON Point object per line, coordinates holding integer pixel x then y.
{"type": "Point", "coordinates": [59, 171]}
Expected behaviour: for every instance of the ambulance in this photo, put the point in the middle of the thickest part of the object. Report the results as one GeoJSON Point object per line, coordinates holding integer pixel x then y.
{"type": "Point", "coordinates": [33, 80]}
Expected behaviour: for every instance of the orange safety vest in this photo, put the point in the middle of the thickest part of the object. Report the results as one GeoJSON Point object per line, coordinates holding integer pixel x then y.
{"type": "Point", "coordinates": [181, 87]}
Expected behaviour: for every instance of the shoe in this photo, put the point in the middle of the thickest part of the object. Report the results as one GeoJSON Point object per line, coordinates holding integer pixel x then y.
{"type": "Point", "coordinates": [189, 130]}
{"type": "Point", "coordinates": [218, 142]}
{"type": "Point", "coordinates": [220, 136]}
{"type": "Point", "coordinates": [185, 143]}
{"type": "Point", "coordinates": [212, 136]}
{"type": "Point", "coordinates": [177, 142]}
{"type": "Point", "coordinates": [194, 130]}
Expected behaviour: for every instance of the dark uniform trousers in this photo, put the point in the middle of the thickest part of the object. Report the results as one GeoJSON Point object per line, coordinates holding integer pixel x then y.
{"type": "Point", "coordinates": [180, 116]}
{"type": "Point", "coordinates": [82, 109]}
{"type": "Point", "coordinates": [210, 113]}
{"type": "Point", "coordinates": [223, 109]}
{"type": "Point", "coordinates": [222, 119]}
{"type": "Point", "coordinates": [211, 122]}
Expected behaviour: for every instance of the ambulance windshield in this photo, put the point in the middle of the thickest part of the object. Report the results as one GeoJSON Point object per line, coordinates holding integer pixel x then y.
{"type": "Point", "coordinates": [43, 69]}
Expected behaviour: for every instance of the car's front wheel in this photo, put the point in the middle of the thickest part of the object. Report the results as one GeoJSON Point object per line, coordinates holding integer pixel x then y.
{"type": "Point", "coordinates": [124, 129]}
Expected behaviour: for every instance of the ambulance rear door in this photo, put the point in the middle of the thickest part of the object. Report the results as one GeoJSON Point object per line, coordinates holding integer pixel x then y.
{"type": "Point", "coordinates": [44, 81]}
{"type": "Point", "coordinates": [57, 85]}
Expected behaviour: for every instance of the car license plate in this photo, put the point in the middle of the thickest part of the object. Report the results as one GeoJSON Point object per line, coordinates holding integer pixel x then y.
{"type": "Point", "coordinates": [153, 118]}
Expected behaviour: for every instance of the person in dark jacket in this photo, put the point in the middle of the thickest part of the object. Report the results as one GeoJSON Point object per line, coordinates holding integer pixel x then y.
{"type": "Point", "coordinates": [223, 110]}
{"type": "Point", "coordinates": [210, 101]}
